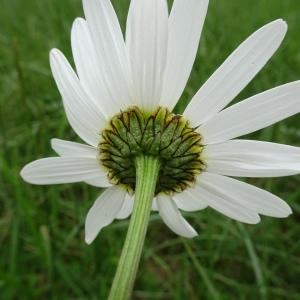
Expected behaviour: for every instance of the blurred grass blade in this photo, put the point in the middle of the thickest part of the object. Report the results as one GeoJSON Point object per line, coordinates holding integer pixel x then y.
{"type": "Point", "coordinates": [255, 263]}
{"type": "Point", "coordinates": [214, 294]}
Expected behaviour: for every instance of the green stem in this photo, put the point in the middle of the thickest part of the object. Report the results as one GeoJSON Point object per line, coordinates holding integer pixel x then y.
{"type": "Point", "coordinates": [147, 169]}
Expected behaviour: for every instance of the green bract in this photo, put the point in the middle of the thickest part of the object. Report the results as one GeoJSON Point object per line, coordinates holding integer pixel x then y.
{"type": "Point", "coordinates": [161, 134]}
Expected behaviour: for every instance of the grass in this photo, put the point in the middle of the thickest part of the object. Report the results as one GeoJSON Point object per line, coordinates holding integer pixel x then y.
{"type": "Point", "coordinates": [42, 252]}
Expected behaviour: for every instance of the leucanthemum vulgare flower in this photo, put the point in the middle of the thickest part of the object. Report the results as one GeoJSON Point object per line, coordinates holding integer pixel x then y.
{"type": "Point", "coordinates": [120, 102]}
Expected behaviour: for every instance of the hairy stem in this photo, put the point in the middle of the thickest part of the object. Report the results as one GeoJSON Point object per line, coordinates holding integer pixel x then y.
{"type": "Point", "coordinates": [147, 170]}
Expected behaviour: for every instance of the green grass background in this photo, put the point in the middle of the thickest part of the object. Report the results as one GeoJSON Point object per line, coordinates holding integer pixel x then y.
{"type": "Point", "coordinates": [42, 251]}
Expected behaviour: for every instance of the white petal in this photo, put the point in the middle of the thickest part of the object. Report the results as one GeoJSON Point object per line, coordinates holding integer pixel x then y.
{"type": "Point", "coordinates": [220, 201]}
{"type": "Point", "coordinates": [56, 170]}
{"type": "Point", "coordinates": [248, 196]}
{"type": "Point", "coordinates": [154, 205]}
{"type": "Point", "coordinates": [252, 159]}
{"type": "Point", "coordinates": [110, 49]}
{"type": "Point", "coordinates": [100, 181]}
{"type": "Point", "coordinates": [72, 149]}
{"type": "Point", "coordinates": [253, 114]}
{"type": "Point", "coordinates": [127, 207]}
{"type": "Point", "coordinates": [185, 26]}
{"type": "Point", "coordinates": [84, 116]}
{"type": "Point", "coordinates": [146, 40]}
{"type": "Point", "coordinates": [190, 200]}
{"type": "Point", "coordinates": [236, 72]}
{"type": "Point", "coordinates": [261, 151]}
{"type": "Point", "coordinates": [67, 148]}
{"type": "Point", "coordinates": [90, 70]}
{"type": "Point", "coordinates": [242, 169]}
{"type": "Point", "coordinates": [172, 217]}
{"type": "Point", "coordinates": [103, 212]}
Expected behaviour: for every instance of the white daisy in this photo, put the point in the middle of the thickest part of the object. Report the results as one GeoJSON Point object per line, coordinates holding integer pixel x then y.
{"type": "Point", "coordinates": [122, 86]}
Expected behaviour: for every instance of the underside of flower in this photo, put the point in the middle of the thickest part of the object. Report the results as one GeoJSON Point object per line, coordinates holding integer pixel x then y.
{"type": "Point", "coordinates": [161, 134]}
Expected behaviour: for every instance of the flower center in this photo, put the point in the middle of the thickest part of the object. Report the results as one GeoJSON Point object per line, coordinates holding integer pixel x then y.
{"type": "Point", "coordinates": [161, 134]}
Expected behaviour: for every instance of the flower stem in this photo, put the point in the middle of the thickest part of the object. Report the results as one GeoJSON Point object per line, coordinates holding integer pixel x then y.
{"type": "Point", "coordinates": [147, 169]}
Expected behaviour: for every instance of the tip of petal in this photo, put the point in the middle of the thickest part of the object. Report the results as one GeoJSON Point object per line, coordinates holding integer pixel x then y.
{"type": "Point", "coordinates": [90, 235]}
{"type": "Point", "coordinates": [56, 57]}
{"type": "Point", "coordinates": [53, 57]}
{"type": "Point", "coordinates": [78, 21]}
{"type": "Point", "coordinates": [76, 27]}
{"type": "Point", "coordinates": [255, 219]}
{"type": "Point", "coordinates": [88, 240]}
{"type": "Point", "coordinates": [284, 212]}
{"type": "Point", "coordinates": [282, 21]}
{"type": "Point", "coordinates": [193, 234]}
{"type": "Point", "coordinates": [53, 141]}
{"type": "Point", "coordinates": [23, 173]}
{"type": "Point", "coordinates": [279, 21]}
{"type": "Point", "coordinates": [279, 209]}
{"type": "Point", "coordinates": [53, 52]}
{"type": "Point", "coordinates": [26, 174]}
{"type": "Point", "coordinates": [282, 24]}
{"type": "Point", "coordinates": [290, 212]}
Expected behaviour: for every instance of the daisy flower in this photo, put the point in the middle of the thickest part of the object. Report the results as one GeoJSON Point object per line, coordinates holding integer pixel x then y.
{"type": "Point", "coordinates": [120, 101]}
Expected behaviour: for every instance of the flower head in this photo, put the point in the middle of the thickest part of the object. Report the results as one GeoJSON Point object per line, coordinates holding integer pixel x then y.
{"type": "Point", "coordinates": [120, 101]}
